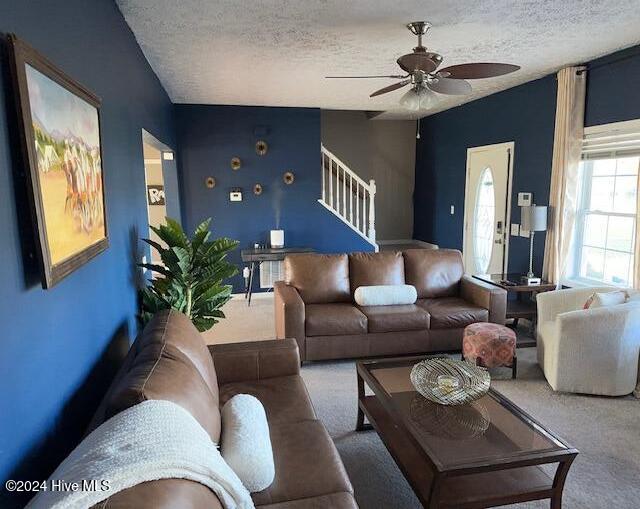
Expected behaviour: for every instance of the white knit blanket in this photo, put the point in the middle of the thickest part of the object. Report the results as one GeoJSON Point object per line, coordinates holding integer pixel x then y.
{"type": "Point", "coordinates": [149, 441]}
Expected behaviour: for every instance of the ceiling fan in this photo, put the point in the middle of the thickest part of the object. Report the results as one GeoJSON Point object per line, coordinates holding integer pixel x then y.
{"type": "Point", "coordinates": [421, 71]}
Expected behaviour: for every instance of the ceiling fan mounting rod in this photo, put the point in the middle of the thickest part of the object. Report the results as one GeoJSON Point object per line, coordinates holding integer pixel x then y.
{"type": "Point", "coordinates": [419, 28]}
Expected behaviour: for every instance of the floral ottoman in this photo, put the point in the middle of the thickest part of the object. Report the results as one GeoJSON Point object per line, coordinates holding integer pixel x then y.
{"type": "Point", "coordinates": [490, 345]}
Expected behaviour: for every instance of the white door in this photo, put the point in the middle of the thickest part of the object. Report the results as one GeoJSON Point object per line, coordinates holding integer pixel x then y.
{"type": "Point", "coordinates": [487, 207]}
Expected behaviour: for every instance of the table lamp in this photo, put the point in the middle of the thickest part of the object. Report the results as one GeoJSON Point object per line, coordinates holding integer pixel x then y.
{"type": "Point", "coordinates": [533, 219]}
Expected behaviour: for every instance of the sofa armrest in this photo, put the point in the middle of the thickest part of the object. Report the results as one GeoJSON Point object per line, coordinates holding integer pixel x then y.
{"type": "Point", "coordinates": [605, 327]}
{"type": "Point", "coordinates": [485, 295]}
{"type": "Point", "coordinates": [551, 304]}
{"type": "Point", "coordinates": [255, 360]}
{"type": "Point", "coordinates": [596, 350]}
{"type": "Point", "coordinates": [289, 314]}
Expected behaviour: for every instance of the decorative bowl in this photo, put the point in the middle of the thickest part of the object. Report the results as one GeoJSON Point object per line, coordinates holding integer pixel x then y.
{"type": "Point", "coordinates": [434, 379]}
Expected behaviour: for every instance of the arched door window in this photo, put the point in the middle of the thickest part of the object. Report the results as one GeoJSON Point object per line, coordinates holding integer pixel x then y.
{"type": "Point", "coordinates": [484, 218]}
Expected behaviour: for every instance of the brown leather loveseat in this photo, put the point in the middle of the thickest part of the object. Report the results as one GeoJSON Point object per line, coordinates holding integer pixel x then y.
{"type": "Point", "coordinates": [170, 361]}
{"type": "Point", "coordinates": [315, 305]}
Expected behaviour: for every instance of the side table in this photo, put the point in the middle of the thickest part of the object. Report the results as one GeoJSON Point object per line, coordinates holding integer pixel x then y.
{"type": "Point", "coordinates": [524, 304]}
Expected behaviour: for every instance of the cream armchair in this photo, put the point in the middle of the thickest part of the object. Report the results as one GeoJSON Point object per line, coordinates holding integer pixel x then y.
{"type": "Point", "coordinates": [590, 351]}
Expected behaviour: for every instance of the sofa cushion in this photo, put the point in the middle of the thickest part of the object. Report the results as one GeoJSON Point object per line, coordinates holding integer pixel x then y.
{"type": "Point", "coordinates": [284, 398]}
{"type": "Point", "coordinates": [434, 272]}
{"type": "Point", "coordinates": [334, 320]}
{"type": "Point", "coordinates": [161, 371]}
{"type": "Point", "coordinates": [163, 494]}
{"type": "Point", "coordinates": [318, 277]}
{"type": "Point", "coordinates": [307, 464]}
{"type": "Point", "coordinates": [369, 269]}
{"type": "Point", "coordinates": [453, 312]}
{"type": "Point", "coordinates": [402, 317]}
{"type": "Point", "coordinates": [176, 329]}
{"type": "Point", "coordinates": [342, 500]}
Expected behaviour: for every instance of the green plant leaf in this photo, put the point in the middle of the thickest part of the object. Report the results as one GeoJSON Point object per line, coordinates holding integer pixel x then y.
{"type": "Point", "coordinates": [201, 235]}
{"type": "Point", "coordinates": [192, 276]}
{"type": "Point", "coordinates": [159, 247]}
{"type": "Point", "coordinates": [154, 267]}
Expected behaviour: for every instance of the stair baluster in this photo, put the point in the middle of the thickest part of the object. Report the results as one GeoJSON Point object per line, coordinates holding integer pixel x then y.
{"type": "Point", "coordinates": [361, 194]}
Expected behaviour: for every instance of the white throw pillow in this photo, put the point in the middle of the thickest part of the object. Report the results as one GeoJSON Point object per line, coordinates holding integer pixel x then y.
{"type": "Point", "coordinates": [385, 295]}
{"type": "Point", "coordinates": [602, 300]}
{"type": "Point", "coordinates": [245, 443]}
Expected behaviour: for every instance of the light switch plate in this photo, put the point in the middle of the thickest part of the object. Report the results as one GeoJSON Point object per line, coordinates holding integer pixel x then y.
{"type": "Point", "coordinates": [515, 229]}
{"type": "Point", "coordinates": [524, 233]}
{"type": "Point", "coordinates": [453, 210]}
{"type": "Point", "coordinates": [524, 199]}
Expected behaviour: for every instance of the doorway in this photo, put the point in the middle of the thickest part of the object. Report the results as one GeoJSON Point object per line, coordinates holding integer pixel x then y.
{"type": "Point", "coordinates": [487, 208]}
{"type": "Point", "coordinates": [161, 186]}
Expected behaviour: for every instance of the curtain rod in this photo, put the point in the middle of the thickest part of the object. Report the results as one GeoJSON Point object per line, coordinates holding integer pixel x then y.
{"type": "Point", "coordinates": [590, 67]}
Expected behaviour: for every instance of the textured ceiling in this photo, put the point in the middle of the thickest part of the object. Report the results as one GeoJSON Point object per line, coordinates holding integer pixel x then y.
{"type": "Point", "coordinates": [277, 52]}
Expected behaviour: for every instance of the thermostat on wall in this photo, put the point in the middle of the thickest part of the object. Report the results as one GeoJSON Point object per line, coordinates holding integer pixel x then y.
{"type": "Point", "coordinates": [524, 199]}
{"type": "Point", "coordinates": [235, 194]}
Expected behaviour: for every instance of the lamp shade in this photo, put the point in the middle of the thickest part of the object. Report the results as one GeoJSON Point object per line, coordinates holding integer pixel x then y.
{"type": "Point", "coordinates": [534, 218]}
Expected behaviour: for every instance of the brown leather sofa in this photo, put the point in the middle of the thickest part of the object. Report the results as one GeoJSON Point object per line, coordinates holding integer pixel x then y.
{"type": "Point", "coordinates": [170, 361]}
{"type": "Point", "coordinates": [314, 304]}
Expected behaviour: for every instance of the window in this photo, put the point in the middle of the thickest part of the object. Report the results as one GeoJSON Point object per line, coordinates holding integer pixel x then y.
{"type": "Point", "coordinates": [605, 229]}
{"type": "Point", "coordinates": [484, 218]}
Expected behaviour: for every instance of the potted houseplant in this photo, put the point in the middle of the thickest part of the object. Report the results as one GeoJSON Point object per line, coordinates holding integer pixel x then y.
{"type": "Point", "coordinates": [191, 276]}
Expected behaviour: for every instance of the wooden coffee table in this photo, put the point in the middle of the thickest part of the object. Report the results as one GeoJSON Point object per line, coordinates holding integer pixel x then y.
{"type": "Point", "coordinates": [484, 454]}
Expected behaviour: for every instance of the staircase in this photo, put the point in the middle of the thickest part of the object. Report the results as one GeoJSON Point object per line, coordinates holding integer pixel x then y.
{"type": "Point", "coordinates": [348, 196]}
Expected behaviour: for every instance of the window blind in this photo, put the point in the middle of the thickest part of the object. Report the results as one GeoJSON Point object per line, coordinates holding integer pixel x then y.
{"type": "Point", "coordinates": [604, 144]}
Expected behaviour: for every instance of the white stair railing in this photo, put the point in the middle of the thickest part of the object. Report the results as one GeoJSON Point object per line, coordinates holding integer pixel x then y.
{"type": "Point", "coordinates": [348, 196]}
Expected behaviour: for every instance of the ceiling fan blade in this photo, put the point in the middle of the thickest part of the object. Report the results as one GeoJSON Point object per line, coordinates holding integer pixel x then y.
{"type": "Point", "coordinates": [417, 62]}
{"type": "Point", "coordinates": [391, 88]}
{"type": "Point", "coordinates": [398, 76]}
{"type": "Point", "coordinates": [478, 70]}
{"type": "Point", "coordinates": [450, 86]}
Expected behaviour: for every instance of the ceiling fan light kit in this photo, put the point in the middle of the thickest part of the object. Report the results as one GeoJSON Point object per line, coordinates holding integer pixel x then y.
{"type": "Point", "coordinates": [426, 81]}
{"type": "Point", "coordinates": [417, 99]}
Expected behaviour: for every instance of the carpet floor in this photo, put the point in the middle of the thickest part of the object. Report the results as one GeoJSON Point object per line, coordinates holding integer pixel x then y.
{"type": "Point", "coordinates": [606, 431]}
{"type": "Point", "coordinates": [243, 322]}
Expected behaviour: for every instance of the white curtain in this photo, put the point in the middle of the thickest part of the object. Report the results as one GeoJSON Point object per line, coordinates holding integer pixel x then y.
{"type": "Point", "coordinates": [636, 253]}
{"type": "Point", "coordinates": [563, 194]}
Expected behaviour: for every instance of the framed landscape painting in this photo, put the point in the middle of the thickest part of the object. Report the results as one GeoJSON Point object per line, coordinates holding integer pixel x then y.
{"type": "Point", "coordinates": [59, 123]}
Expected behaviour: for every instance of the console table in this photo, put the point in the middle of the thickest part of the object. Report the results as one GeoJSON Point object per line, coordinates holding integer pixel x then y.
{"type": "Point", "coordinates": [256, 256]}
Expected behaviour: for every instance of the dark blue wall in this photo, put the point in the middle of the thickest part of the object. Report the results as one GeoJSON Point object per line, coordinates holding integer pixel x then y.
{"type": "Point", "coordinates": [523, 114]}
{"type": "Point", "coordinates": [613, 88]}
{"type": "Point", "coordinates": [57, 345]}
{"type": "Point", "coordinates": [209, 136]}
